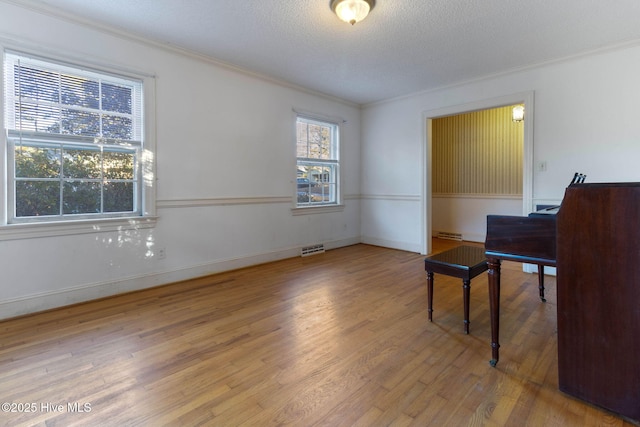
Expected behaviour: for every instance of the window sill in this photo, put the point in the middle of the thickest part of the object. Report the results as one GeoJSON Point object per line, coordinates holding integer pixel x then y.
{"type": "Point", "coordinates": [65, 228]}
{"type": "Point", "coordinates": [308, 210]}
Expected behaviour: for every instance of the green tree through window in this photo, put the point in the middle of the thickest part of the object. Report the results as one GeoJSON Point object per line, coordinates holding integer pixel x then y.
{"type": "Point", "coordinates": [317, 162]}
{"type": "Point", "coordinates": [75, 141]}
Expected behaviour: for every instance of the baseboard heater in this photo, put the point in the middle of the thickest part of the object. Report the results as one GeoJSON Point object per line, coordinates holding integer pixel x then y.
{"type": "Point", "coordinates": [449, 236]}
{"type": "Point", "coordinates": [312, 250]}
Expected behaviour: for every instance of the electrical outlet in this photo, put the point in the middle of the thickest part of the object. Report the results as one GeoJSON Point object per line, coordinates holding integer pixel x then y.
{"type": "Point", "coordinates": [161, 253]}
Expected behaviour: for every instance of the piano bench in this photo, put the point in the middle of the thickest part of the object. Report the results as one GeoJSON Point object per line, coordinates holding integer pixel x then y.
{"type": "Point", "coordinates": [464, 262]}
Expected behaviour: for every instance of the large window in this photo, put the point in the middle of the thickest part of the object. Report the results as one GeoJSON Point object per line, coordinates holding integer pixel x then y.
{"type": "Point", "coordinates": [74, 142]}
{"type": "Point", "coordinates": [317, 162]}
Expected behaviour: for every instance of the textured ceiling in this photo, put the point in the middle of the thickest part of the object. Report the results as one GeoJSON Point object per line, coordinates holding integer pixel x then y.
{"type": "Point", "coordinates": [404, 46]}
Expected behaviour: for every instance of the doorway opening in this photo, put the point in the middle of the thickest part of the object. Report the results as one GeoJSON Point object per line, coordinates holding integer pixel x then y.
{"type": "Point", "coordinates": [525, 99]}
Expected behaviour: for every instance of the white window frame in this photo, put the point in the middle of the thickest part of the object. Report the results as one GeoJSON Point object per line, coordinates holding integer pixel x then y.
{"type": "Point", "coordinates": [333, 163]}
{"type": "Point", "coordinates": [145, 214]}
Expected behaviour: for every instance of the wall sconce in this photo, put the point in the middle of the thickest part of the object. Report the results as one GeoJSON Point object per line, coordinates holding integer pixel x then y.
{"type": "Point", "coordinates": [352, 11]}
{"type": "Point", "coordinates": [517, 114]}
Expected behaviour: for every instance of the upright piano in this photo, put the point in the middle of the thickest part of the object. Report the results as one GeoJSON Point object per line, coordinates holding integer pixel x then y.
{"type": "Point", "coordinates": [594, 243]}
{"type": "Point", "coordinates": [529, 239]}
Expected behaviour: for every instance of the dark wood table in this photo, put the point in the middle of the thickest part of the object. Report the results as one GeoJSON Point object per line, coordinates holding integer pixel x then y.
{"type": "Point", "coordinates": [464, 262]}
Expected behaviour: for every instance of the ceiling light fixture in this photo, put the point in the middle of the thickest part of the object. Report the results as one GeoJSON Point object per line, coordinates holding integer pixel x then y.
{"type": "Point", "coordinates": [352, 11]}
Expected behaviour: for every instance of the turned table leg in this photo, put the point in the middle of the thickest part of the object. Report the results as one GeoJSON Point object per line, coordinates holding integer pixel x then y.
{"type": "Point", "coordinates": [494, 307]}
{"type": "Point", "coordinates": [430, 294]}
{"type": "Point", "coordinates": [541, 281]}
{"type": "Point", "coordinates": [466, 288]}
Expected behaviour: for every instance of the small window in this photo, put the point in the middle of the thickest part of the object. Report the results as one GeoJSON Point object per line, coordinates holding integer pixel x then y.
{"type": "Point", "coordinates": [74, 142]}
{"type": "Point", "coordinates": [317, 162]}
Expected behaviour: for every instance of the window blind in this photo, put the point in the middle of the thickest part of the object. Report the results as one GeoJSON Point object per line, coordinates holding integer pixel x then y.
{"type": "Point", "coordinates": [53, 98]}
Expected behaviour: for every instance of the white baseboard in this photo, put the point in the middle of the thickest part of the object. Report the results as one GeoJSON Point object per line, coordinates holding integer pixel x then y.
{"type": "Point", "coordinates": [403, 246]}
{"type": "Point", "coordinates": [532, 268]}
{"type": "Point", "coordinates": [55, 299]}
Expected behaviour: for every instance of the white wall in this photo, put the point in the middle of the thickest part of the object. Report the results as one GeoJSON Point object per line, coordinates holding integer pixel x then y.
{"type": "Point", "coordinates": [225, 176]}
{"type": "Point", "coordinates": [585, 120]}
{"type": "Point", "coordinates": [467, 214]}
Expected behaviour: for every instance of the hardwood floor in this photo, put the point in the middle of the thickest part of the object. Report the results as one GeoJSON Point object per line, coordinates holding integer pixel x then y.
{"type": "Point", "coordinates": [337, 339]}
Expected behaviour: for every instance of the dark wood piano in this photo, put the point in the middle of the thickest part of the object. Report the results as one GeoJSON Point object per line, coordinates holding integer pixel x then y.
{"type": "Point", "coordinates": [529, 239]}
{"type": "Point", "coordinates": [594, 242]}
